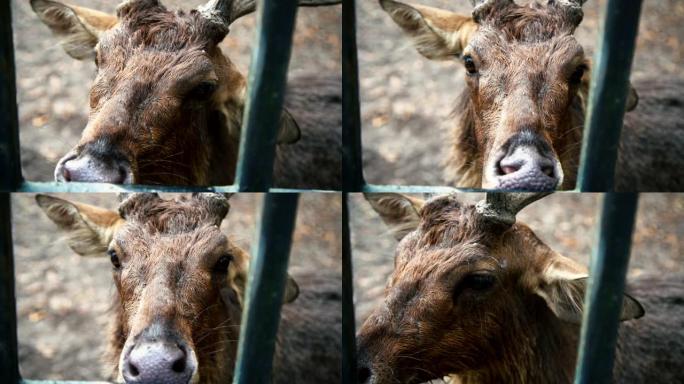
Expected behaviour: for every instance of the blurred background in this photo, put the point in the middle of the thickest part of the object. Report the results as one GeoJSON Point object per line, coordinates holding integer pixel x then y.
{"type": "Point", "coordinates": [407, 100]}
{"type": "Point", "coordinates": [52, 88]}
{"type": "Point", "coordinates": [63, 299]}
{"type": "Point", "coordinates": [566, 222]}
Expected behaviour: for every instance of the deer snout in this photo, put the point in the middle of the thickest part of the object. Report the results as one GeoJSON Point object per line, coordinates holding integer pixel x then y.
{"type": "Point", "coordinates": [159, 362]}
{"type": "Point", "coordinates": [94, 166]}
{"type": "Point", "coordinates": [527, 163]}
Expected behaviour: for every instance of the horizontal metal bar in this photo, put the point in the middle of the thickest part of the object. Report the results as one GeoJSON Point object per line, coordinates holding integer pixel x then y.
{"type": "Point", "coordinates": [604, 296]}
{"type": "Point", "coordinates": [10, 163]}
{"type": "Point", "coordinates": [265, 94]}
{"type": "Point", "coordinates": [608, 95]}
{"type": "Point", "coordinates": [62, 382]}
{"type": "Point", "coordinates": [54, 187]}
{"type": "Point", "coordinates": [348, 328]}
{"type": "Point", "coordinates": [265, 289]}
{"type": "Point", "coordinates": [9, 362]}
{"type": "Point", "coordinates": [352, 152]}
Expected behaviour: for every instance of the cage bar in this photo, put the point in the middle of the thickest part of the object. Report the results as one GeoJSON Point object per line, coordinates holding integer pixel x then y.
{"type": "Point", "coordinates": [10, 164]}
{"type": "Point", "coordinates": [9, 361]}
{"type": "Point", "coordinates": [263, 109]}
{"type": "Point", "coordinates": [348, 317]}
{"type": "Point", "coordinates": [265, 289]}
{"type": "Point", "coordinates": [603, 299]}
{"type": "Point", "coordinates": [608, 96]}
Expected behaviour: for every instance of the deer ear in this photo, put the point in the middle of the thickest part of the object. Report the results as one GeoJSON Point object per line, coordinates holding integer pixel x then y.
{"type": "Point", "coordinates": [90, 229]}
{"type": "Point", "coordinates": [437, 34]}
{"type": "Point", "coordinates": [401, 213]}
{"type": "Point", "coordinates": [289, 129]}
{"type": "Point", "coordinates": [563, 287]}
{"type": "Point", "coordinates": [291, 290]}
{"type": "Point", "coordinates": [632, 99]}
{"type": "Point", "coordinates": [78, 28]}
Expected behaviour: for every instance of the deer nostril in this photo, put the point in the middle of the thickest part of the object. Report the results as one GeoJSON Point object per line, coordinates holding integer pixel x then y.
{"type": "Point", "coordinates": [66, 174]}
{"type": "Point", "coordinates": [363, 375]}
{"type": "Point", "coordinates": [133, 370]}
{"type": "Point", "coordinates": [547, 170]}
{"type": "Point", "coordinates": [179, 365]}
{"type": "Point", "coordinates": [509, 169]}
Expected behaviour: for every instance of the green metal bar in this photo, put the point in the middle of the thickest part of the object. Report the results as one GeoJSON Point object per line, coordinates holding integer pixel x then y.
{"type": "Point", "coordinates": [608, 95]}
{"type": "Point", "coordinates": [266, 90]}
{"type": "Point", "coordinates": [374, 188]}
{"type": "Point", "coordinates": [348, 327]}
{"type": "Point", "coordinates": [605, 290]}
{"type": "Point", "coordinates": [10, 163]}
{"type": "Point", "coordinates": [9, 361]}
{"type": "Point", "coordinates": [73, 187]}
{"type": "Point", "coordinates": [352, 152]}
{"type": "Point", "coordinates": [61, 382]}
{"type": "Point", "coordinates": [265, 289]}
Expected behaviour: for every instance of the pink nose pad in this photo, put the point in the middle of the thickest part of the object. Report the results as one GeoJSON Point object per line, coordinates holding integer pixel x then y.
{"type": "Point", "coordinates": [526, 169]}
{"type": "Point", "coordinates": [88, 169]}
{"type": "Point", "coordinates": [158, 362]}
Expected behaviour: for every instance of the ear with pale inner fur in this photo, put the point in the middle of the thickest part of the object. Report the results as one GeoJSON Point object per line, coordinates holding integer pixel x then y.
{"type": "Point", "coordinates": [401, 213]}
{"type": "Point", "coordinates": [289, 129]}
{"type": "Point", "coordinates": [437, 34]}
{"type": "Point", "coordinates": [78, 28]}
{"type": "Point", "coordinates": [90, 229]}
{"type": "Point", "coordinates": [563, 286]}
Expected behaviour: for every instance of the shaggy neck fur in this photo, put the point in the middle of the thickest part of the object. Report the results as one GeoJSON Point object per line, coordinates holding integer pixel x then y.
{"type": "Point", "coordinates": [538, 349]}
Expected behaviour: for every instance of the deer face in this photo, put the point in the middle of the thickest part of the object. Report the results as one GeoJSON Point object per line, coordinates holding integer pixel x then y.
{"type": "Point", "coordinates": [179, 283]}
{"type": "Point", "coordinates": [166, 104]}
{"type": "Point", "coordinates": [464, 293]}
{"type": "Point", "coordinates": [527, 78]}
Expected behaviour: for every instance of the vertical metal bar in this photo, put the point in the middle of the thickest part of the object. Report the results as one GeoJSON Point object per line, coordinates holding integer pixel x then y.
{"type": "Point", "coordinates": [352, 155]}
{"type": "Point", "coordinates": [10, 163]}
{"type": "Point", "coordinates": [266, 90]}
{"type": "Point", "coordinates": [348, 317]}
{"type": "Point", "coordinates": [608, 95]}
{"type": "Point", "coordinates": [265, 289]}
{"type": "Point", "coordinates": [605, 290]}
{"type": "Point", "coordinates": [9, 363]}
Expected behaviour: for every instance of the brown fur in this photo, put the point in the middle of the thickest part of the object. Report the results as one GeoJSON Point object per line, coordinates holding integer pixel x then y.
{"type": "Point", "coordinates": [523, 328]}
{"type": "Point", "coordinates": [526, 57]}
{"type": "Point", "coordinates": [168, 250]}
{"type": "Point", "coordinates": [147, 107]}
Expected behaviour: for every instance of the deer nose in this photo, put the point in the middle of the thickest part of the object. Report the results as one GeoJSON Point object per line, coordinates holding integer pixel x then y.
{"type": "Point", "coordinates": [528, 166]}
{"type": "Point", "coordinates": [88, 168]}
{"type": "Point", "coordinates": [158, 362]}
{"type": "Point", "coordinates": [363, 375]}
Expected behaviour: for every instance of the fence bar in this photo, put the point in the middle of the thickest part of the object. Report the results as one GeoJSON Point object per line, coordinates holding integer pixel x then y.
{"type": "Point", "coordinates": [348, 317]}
{"type": "Point", "coordinates": [608, 95]}
{"type": "Point", "coordinates": [265, 289]}
{"type": "Point", "coordinates": [605, 290]}
{"type": "Point", "coordinates": [10, 163]}
{"type": "Point", "coordinates": [9, 362]}
{"type": "Point", "coordinates": [352, 152]}
{"type": "Point", "coordinates": [266, 90]}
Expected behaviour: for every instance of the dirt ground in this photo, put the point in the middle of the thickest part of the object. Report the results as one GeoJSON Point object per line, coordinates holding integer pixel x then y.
{"type": "Point", "coordinates": [63, 300]}
{"type": "Point", "coordinates": [567, 222]}
{"type": "Point", "coordinates": [407, 100]}
{"type": "Point", "coordinates": [53, 88]}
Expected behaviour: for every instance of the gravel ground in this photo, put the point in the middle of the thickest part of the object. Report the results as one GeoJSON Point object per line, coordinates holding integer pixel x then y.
{"type": "Point", "coordinates": [53, 88]}
{"type": "Point", "coordinates": [567, 222]}
{"type": "Point", "coordinates": [63, 299]}
{"type": "Point", "coordinates": [407, 100]}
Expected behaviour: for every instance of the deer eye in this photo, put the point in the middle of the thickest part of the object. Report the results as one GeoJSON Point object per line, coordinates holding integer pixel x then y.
{"type": "Point", "coordinates": [469, 65]}
{"type": "Point", "coordinates": [114, 258]}
{"type": "Point", "coordinates": [203, 91]}
{"type": "Point", "coordinates": [474, 282]}
{"type": "Point", "coordinates": [576, 77]}
{"type": "Point", "coordinates": [223, 263]}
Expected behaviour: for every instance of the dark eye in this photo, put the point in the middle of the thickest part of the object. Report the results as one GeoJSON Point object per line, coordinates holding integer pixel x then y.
{"type": "Point", "coordinates": [469, 65]}
{"type": "Point", "coordinates": [576, 77]}
{"type": "Point", "coordinates": [223, 263]}
{"type": "Point", "coordinates": [476, 282]}
{"type": "Point", "coordinates": [114, 258]}
{"type": "Point", "coordinates": [203, 91]}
